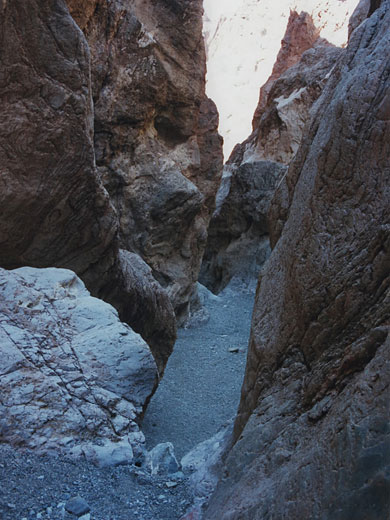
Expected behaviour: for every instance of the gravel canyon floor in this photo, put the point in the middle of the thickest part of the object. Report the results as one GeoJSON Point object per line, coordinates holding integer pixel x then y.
{"type": "Point", "coordinates": [198, 394]}
{"type": "Point", "coordinates": [201, 387]}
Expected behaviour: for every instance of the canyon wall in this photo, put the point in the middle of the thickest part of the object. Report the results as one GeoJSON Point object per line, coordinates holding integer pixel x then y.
{"type": "Point", "coordinates": [311, 437]}
{"type": "Point", "coordinates": [157, 147]}
{"type": "Point", "coordinates": [110, 156]}
{"type": "Point", "coordinates": [238, 240]}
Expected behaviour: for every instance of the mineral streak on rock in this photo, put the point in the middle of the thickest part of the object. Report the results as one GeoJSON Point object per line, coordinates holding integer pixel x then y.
{"type": "Point", "coordinates": [312, 434]}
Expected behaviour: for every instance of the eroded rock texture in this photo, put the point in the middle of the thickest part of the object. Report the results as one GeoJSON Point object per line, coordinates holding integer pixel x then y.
{"type": "Point", "coordinates": [73, 377]}
{"type": "Point", "coordinates": [312, 432]}
{"type": "Point", "coordinates": [238, 241]}
{"type": "Point", "coordinates": [55, 210]}
{"type": "Point", "coordinates": [156, 140]}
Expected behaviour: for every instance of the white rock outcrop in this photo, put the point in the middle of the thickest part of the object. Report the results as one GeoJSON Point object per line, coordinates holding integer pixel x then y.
{"type": "Point", "coordinates": [73, 378]}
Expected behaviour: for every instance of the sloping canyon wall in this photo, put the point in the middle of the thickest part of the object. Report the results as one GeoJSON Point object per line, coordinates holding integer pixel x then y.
{"type": "Point", "coordinates": [312, 433]}
{"type": "Point", "coordinates": [110, 157]}
{"type": "Point", "coordinates": [238, 240]}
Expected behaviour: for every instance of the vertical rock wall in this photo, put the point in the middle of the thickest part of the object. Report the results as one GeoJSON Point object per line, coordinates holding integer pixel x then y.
{"type": "Point", "coordinates": [238, 240]}
{"type": "Point", "coordinates": [156, 141]}
{"type": "Point", "coordinates": [311, 437]}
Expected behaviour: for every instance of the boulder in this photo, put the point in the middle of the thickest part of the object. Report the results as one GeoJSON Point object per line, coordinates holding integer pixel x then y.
{"type": "Point", "coordinates": [73, 377]}
{"type": "Point", "coordinates": [311, 438]}
{"type": "Point", "coordinates": [161, 460]}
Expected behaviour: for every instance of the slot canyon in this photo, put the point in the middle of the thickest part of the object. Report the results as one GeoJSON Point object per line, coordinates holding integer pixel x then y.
{"type": "Point", "coordinates": [195, 260]}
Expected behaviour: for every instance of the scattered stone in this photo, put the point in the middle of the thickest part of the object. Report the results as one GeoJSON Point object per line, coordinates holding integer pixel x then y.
{"type": "Point", "coordinates": [77, 506]}
{"type": "Point", "coordinates": [171, 484]}
{"type": "Point", "coordinates": [234, 349]}
{"type": "Point", "coordinates": [161, 459]}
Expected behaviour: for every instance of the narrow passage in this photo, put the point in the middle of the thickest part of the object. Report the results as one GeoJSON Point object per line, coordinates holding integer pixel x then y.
{"type": "Point", "coordinates": [201, 387]}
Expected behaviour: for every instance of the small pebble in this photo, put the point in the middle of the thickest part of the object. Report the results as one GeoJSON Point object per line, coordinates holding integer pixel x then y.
{"type": "Point", "coordinates": [77, 506]}
{"type": "Point", "coordinates": [170, 484]}
{"type": "Point", "coordinates": [234, 349]}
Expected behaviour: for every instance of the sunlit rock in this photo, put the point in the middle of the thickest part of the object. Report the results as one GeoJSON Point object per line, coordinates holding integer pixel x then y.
{"type": "Point", "coordinates": [73, 377]}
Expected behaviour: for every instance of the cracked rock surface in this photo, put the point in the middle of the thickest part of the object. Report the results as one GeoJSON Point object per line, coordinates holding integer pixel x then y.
{"type": "Point", "coordinates": [312, 432]}
{"type": "Point", "coordinates": [74, 378]}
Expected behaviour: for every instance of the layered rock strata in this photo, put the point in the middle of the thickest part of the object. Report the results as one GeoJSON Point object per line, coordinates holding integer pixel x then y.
{"type": "Point", "coordinates": [238, 241]}
{"type": "Point", "coordinates": [311, 437]}
{"type": "Point", "coordinates": [156, 141]}
{"type": "Point", "coordinates": [73, 377]}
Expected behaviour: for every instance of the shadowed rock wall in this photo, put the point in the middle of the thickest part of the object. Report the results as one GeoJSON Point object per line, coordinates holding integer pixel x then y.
{"type": "Point", "coordinates": [156, 140]}
{"type": "Point", "coordinates": [131, 101]}
{"type": "Point", "coordinates": [312, 437]}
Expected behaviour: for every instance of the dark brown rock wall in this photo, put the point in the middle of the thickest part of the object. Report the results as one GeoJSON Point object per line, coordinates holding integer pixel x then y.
{"type": "Point", "coordinates": [54, 208]}
{"type": "Point", "coordinates": [157, 146]}
{"type": "Point", "coordinates": [312, 436]}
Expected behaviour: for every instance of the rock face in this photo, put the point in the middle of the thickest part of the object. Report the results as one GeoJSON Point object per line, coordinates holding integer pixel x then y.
{"type": "Point", "coordinates": [297, 80]}
{"type": "Point", "coordinates": [127, 100]}
{"type": "Point", "coordinates": [73, 377]}
{"type": "Point", "coordinates": [311, 436]}
{"type": "Point", "coordinates": [243, 40]}
{"type": "Point", "coordinates": [142, 302]}
{"type": "Point", "coordinates": [238, 239]}
{"type": "Point", "coordinates": [54, 209]}
{"type": "Point", "coordinates": [156, 141]}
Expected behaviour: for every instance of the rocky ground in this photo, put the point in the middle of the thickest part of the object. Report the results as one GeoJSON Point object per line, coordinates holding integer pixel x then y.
{"type": "Point", "coordinates": [199, 393]}
{"type": "Point", "coordinates": [34, 487]}
{"type": "Point", "coordinates": [201, 387]}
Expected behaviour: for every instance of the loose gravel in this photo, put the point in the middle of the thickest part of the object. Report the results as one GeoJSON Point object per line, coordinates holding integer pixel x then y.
{"type": "Point", "coordinates": [199, 393]}
{"type": "Point", "coordinates": [201, 387]}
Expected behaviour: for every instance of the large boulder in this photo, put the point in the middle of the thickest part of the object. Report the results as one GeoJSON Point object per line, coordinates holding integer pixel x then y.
{"type": "Point", "coordinates": [73, 377]}
{"type": "Point", "coordinates": [312, 437]}
{"type": "Point", "coordinates": [156, 140]}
